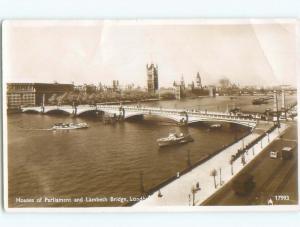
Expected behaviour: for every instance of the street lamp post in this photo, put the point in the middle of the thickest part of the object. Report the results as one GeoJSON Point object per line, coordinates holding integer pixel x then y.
{"type": "Point", "coordinates": [193, 195]}
{"type": "Point", "coordinates": [194, 191]}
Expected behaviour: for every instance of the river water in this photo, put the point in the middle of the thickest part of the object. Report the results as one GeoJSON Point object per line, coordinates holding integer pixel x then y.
{"type": "Point", "coordinates": [105, 161]}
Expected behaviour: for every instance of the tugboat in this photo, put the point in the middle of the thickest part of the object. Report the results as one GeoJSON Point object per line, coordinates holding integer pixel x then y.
{"type": "Point", "coordinates": [68, 126]}
{"type": "Point", "coordinates": [173, 139]}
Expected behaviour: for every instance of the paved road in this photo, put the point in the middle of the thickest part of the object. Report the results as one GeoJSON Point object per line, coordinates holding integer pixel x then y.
{"type": "Point", "coordinates": [274, 178]}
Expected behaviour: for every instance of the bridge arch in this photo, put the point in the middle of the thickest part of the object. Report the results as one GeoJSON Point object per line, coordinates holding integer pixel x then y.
{"type": "Point", "coordinates": [31, 111]}
{"type": "Point", "coordinates": [56, 111]}
{"type": "Point", "coordinates": [173, 118]}
{"type": "Point", "coordinates": [84, 112]}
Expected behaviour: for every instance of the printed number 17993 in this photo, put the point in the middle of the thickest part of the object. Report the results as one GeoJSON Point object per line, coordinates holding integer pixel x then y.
{"type": "Point", "coordinates": [282, 197]}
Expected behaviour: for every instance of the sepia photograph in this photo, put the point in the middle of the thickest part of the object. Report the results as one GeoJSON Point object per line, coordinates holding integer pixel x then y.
{"type": "Point", "coordinates": [142, 114]}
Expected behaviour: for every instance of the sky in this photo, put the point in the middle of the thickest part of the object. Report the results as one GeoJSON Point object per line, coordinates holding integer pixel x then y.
{"type": "Point", "coordinates": [91, 51]}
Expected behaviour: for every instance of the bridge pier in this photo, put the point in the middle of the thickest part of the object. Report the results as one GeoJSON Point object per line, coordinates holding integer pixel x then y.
{"type": "Point", "coordinates": [74, 111]}
{"type": "Point", "coordinates": [185, 120]}
{"type": "Point", "coordinates": [121, 113]}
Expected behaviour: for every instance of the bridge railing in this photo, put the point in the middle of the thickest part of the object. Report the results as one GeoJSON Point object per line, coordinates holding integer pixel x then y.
{"type": "Point", "coordinates": [195, 113]}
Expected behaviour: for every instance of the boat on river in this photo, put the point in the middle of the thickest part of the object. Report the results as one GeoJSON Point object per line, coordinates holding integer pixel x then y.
{"type": "Point", "coordinates": [215, 126]}
{"type": "Point", "coordinates": [259, 101]}
{"type": "Point", "coordinates": [69, 126]}
{"type": "Point", "coordinates": [174, 138]}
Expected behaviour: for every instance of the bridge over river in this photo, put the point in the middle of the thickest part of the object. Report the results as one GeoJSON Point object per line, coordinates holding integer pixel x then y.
{"type": "Point", "coordinates": [182, 116]}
